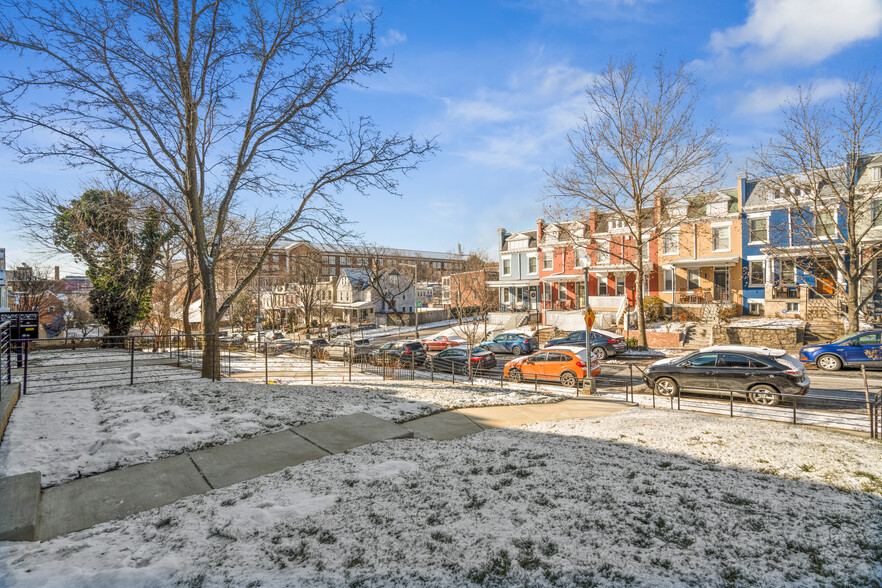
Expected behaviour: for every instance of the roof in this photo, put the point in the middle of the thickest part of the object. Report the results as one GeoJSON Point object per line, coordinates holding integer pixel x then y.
{"type": "Point", "coordinates": [531, 239]}
{"type": "Point", "coordinates": [358, 278]}
{"type": "Point", "coordinates": [344, 249]}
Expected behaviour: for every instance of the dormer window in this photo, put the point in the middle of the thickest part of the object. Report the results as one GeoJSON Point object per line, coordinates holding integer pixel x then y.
{"type": "Point", "coordinates": [718, 208]}
{"type": "Point", "coordinates": [616, 224]}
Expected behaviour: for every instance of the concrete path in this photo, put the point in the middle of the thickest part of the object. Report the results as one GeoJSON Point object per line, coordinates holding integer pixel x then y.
{"type": "Point", "coordinates": [113, 495]}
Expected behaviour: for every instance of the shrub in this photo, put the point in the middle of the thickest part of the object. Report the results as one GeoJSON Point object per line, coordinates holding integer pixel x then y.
{"type": "Point", "coordinates": [728, 312]}
{"type": "Point", "coordinates": [631, 342]}
{"type": "Point", "coordinates": [653, 308]}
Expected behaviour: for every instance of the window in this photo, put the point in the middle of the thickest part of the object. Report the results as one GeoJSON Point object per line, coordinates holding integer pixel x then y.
{"type": "Point", "coordinates": [793, 307]}
{"type": "Point", "coordinates": [730, 360]}
{"type": "Point", "coordinates": [620, 285]}
{"type": "Point", "coordinates": [547, 291]}
{"type": "Point", "coordinates": [703, 360]}
{"type": "Point", "coordinates": [718, 208]}
{"type": "Point", "coordinates": [692, 279]}
{"type": "Point", "coordinates": [669, 280]}
{"type": "Point", "coordinates": [616, 224]}
{"type": "Point", "coordinates": [547, 260]}
{"type": "Point", "coordinates": [868, 339]}
{"type": "Point", "coordinates": [671, 243]}
{"type": "Point", "coordinates": [877, 209]}
{"type": "Point", "coordinates": [645, 248]}
{"type": "Point", "coordinates": [506, 296]}
{"type": "Point", "coordinates": [721, 238]}
{"type": "Point", "coordinates": [506, 266]}
{"type": "Point", "coordinates": [876, 173]}
{"type": "Point", "coordinates": [759, 229]}
{"type": "Point", "coordinates": [532, 265]}
{"type": "Point", "coordinates": [756, 309]}
{"type": "Point", "coordinates": [757, 272]}
{"type": "Point", "coordinates": [601, 286]}
{"type": "Point", "coordinates": [603, 252]}
{"type": "Point", "coordinates": [788, 271]}
{"type": "Point", "coordinates": [825, 224]}
{"type": "Point", "coordinates": [582, 259]}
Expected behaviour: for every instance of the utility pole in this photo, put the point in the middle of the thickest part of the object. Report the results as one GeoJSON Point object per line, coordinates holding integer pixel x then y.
{"type": "Point", "coordinates": [589, 322]}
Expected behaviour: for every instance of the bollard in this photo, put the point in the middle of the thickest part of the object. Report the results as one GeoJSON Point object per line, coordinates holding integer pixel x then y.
{"type": "Point", "coordinates": [132, 364]}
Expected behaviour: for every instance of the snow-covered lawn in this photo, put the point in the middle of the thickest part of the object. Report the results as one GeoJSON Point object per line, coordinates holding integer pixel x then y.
{"type": "Point", "coordinates": [640, 498]}
{"type": "Point", "coordinates": [65, 435]}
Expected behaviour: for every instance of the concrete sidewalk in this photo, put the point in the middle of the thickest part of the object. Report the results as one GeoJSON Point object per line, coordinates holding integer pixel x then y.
{"type": "Point", "coordinates": [42, 515]}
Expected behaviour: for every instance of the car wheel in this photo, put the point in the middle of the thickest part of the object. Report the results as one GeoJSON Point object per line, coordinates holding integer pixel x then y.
{"type": "Point", "coordinates": [666, 387]}
{"type": "Point", "coordinates": [515, 375]}
{"type": "Point", "coordinates": [829, 363]}
{"type": "Point", "coordinates": [765, 395]}
{"type": "Point", "coordinates": [568, 380]}
{"type": "Point", "coordinates": [516, 350]}
{"type": "Point", "coordinates": [600, 352]}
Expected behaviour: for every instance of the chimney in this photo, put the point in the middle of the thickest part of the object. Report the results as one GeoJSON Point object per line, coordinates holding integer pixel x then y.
{"type": "Point", "coordinates": [459, 248]}
{"type": "Point", "coordinates": [742, 186]}
{"type": "Point", "coordinates": [540, 227]}
{"type": "Point", "coordinates": [57, 273]}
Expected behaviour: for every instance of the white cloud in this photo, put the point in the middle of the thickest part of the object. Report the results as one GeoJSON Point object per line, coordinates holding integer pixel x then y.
{"type": "Point", "coordinates": [516, 125]}
{"type": "Point", "coordinates": [770, 98]}
{"type": "Point", "coordinates": [798, 31]}
{"type": "Point", "coordinates": [392, 37]}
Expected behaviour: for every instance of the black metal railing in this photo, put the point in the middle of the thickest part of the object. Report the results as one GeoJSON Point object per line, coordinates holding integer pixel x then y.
{"type": "Point", "coordinates": [5, 355]}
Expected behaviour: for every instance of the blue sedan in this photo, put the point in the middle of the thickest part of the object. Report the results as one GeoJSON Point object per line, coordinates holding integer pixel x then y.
{"type": "Point", "coordinates": [514, 343]}
{"type": "Point", "coordinates": [855, 349]}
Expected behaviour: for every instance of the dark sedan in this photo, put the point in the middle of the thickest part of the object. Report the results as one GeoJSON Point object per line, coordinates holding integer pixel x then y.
{"type": "Point", "coordinates": [399, 353]}
{"type": "Point", "coordinates": [457, 359]}
{"type": "Point", "coordinates": [757, 373]}
{"type": "Point", "coordinates": [603, 346]}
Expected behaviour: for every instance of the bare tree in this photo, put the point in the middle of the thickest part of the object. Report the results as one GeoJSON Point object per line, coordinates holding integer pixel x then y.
{"type": "Point", "coordinates": [471, 299]}
{"type": "Point", "coordinates": [638, 148]}
{"type": "Point", "coordinates": [77, 317]}
{"type": "Point", "coordinates": [306, 284]}
{"type": "Point", "coordinates": [212, 100]}
{"type": "Point", "coordinates": [817, 169]}
{"type": "Point", "coordinates": [385, 279]}
{"type": "Point", "coordinates": [169, 286]}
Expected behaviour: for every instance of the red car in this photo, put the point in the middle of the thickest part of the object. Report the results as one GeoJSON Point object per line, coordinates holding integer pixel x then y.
{"type": "Point", "coordinates": [440, 343]}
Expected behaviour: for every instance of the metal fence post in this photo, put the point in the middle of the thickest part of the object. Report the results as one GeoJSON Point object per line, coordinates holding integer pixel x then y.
{"type": "Point", "coordinates": [431, 369]}
{"type": "Point", "coordinates": [265, 363]}
{"type": "Point", "coordinates": [24, 387]}
{"type": "Point", "coordinates": [653, 396]}
{"type": "Point", "coordinates": [215, 355]}
{"type": "Point", "coordinates": [630, 382]}
{"type": "Point", "coordinates": [794, 407]}
{"type": "Point", "coordinates": [351, 357]}
{"type": "Point", "coordinates": [311, 358]}
{"type": "Point", "coordinates": [731, 404]}
{"type": "Point", "coordinates": [132, 362]}
{"type": "Point", "coordinates": [452, 372]}
{"type": "Point", "coordinates": [501, 376]}
{"type": "Point", "coordinates": [178, 348]}
{"type": "Point", "coordinates": [9, 357]}
{"type": "Point", "coordinates": [535, 382]}
{"type": "Point", "coordinates": [412, 366]}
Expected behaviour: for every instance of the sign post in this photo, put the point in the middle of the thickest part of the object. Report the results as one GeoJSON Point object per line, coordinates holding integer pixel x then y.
{"type": "Point", "coordinates": [589, 322]}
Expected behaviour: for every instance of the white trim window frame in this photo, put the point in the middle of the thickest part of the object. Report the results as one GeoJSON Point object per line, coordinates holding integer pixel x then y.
{"type": "Point", "coordinates": [816, 226]}
{"type": "Point", "coordinates": [752, 272]}
{"type": "Point", "coordinates": [532, 264]}
{"type": "Point", "coordinates": [503, 262]}
{"type": "Point", "coordinates": [672, 239]}
{"type": "Point", "coordinates": [750, 232]}
{"type": "Point", "coordinates": [717, 246]}
{"type": "Point", "coordinates": [668, 286]}
{"type": "Point", "coordinates": [548, 260]}
{"type": "Point", "coordinates": [602, 252]}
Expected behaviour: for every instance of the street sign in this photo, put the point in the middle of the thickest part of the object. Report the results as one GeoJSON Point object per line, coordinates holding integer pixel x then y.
{"type": "Point", "coordinates": [589, 318]}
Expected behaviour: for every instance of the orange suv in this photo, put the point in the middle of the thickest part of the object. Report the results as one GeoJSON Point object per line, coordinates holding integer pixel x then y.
{"type": "Point", "coordinates": [566, 364]}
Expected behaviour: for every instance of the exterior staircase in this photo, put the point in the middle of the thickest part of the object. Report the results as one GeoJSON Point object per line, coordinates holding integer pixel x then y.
{"type": "Point", "coordinates": [545, 335]}
{"type": "Point", "coordinates": [698, 336]}
{"type": "Point", "coordinates": [517, 319]}
{"type": "Point", "coordinates": [709, 313]}
{"type": "Point", "coordinates": [818, 310]}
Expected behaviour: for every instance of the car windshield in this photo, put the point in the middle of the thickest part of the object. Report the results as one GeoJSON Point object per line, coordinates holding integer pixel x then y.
{"type": "Point", "coordinates": [414, 345]}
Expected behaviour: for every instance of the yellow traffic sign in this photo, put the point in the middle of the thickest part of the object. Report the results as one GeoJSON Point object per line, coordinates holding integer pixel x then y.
{"type": "Point", "coordinates": [589, 318]}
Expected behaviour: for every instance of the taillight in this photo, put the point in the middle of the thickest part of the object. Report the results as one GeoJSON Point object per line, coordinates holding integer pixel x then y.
{"type": "Point", "coordinates": [612, 341]}
{"type": "Point", "coordinates": [793, 372]}
{"type": "Point", "coordinates": [581, 364]}
{"type": "Point", "coordinates": [476, 359]}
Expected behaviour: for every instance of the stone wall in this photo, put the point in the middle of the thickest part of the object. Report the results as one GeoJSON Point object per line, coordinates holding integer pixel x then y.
{"type": "Point", "coordinates": [782, 338]}
{"type": "Point", "coordinates": [655, 339]}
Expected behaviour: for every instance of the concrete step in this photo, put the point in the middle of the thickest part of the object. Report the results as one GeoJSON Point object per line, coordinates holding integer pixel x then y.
{"type": "Point", "coordinates": [20, 513]}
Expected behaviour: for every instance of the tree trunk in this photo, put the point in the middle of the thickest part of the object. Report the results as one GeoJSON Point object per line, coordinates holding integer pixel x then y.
{"type": "Point", "coordinates": [210, 355]}
{"type": "Point", "coordinates": [638, 303]}
{"type": "Point", "coordinates": [853, 307]}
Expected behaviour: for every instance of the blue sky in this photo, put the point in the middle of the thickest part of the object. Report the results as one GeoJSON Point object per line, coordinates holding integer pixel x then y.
{"type": "Point", "coordinates": [500, 82]}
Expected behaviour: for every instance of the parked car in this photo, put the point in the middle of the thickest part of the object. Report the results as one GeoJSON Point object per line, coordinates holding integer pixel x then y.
{"type": "Point", "coordinates": [441, 342]}
{"type": "Point", "coordinates": [338, 330]}
{"type": "Point", "coordinates": [565, 364]}
{"type": "Point", "coordinates": [368, 326]}
{"type": "Point", "coordinates": [759, 374]}
{"type": "Point", "coordinates": [457, 359]}
{"type": "Point", "coordinates": [233, 339]}
{"type": "Point", "coordinates": [514, 343]}
{"type": "Point", "coordinates": [854, 349]}
{"type": "Point", "coordinates": [281, 345]}
{"type": "Point", "coordinates": [399, 352]}
{"type": "Point", "coordinates": [344, 349]}
{"type": "Point", "coordinates": [602, 345]}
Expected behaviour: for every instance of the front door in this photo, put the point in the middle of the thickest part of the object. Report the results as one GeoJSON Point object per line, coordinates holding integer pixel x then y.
{"type": "Point", "coordinates": [721, 284]}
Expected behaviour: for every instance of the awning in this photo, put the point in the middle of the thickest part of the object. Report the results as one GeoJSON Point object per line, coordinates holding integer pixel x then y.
{"type": "Point", "coordinates": [512, 283]}
{"type": "Point", "coordinates": [563, 278]}
{"type": "Point", "coordinates": [727, 261]}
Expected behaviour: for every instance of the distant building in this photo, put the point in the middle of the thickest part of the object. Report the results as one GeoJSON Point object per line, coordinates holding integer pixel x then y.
{"type": "Point", "coordinates": [73, 284]}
